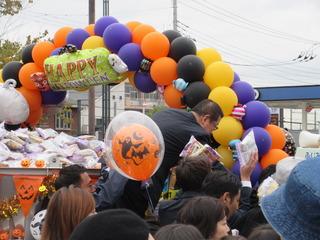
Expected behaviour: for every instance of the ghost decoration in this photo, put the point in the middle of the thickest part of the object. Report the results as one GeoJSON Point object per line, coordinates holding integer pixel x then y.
{"type": "Point", "coordinates": [14, 108]}
{"type": "Point", "coordinates": [37, 223]}
{"type": "Point", "coordinates": [117, 64]}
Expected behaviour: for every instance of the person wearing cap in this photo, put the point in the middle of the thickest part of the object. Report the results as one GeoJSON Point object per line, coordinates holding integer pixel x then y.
{"type": "Point", "coordinates": [119, 224]}
{"type": "Point", "coordinates": [293, 209]}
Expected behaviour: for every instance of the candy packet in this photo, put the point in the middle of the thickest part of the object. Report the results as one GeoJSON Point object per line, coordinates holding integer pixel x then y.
{"type": "Point", "coordinates": [246, 148]}
{"type": "Point", "coordinates": [195, 148]}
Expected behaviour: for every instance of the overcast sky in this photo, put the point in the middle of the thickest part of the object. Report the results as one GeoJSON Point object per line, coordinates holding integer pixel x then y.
{"type": "Point", "coordinates": [264, 35]}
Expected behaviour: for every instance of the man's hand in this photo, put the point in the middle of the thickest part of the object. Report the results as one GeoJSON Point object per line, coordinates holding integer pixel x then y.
{"type": "Point", "coordinates": [247, 169]}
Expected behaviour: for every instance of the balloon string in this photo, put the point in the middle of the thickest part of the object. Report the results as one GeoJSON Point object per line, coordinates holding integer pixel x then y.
{"type": "Point", "coordinates": [149, 198]}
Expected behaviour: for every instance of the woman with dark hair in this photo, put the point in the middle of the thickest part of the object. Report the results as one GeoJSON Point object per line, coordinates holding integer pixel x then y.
{"type": "Point", "coordinates": [178, 232]}
{"type": "Point", "coordinates": [208, 215]}
{"type": "Point", "coordinates": [264, 232]}
{"type": "Point", "coordinates": [67, 208]}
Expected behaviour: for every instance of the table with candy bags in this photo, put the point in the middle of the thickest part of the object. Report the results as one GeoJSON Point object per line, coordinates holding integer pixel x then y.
{"type": "Point", "coordinates": [29, 164]}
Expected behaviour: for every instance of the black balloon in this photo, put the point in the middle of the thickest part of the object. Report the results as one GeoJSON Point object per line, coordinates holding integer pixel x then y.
{"type": "Point", "coordinates": [27, 54]}
{"type": "Point", "coordinates": [195, 93]}
{"type": "Point", "coordinates": [181, 47]}
{"type": "Point", "coordinates": [191, 68]}
{"type": "Point", "coordinates": [11, 71]}
{"type": "Point", "coordinates": [171, 35]}
{"type": "Point", "coordinates": [10, 127]}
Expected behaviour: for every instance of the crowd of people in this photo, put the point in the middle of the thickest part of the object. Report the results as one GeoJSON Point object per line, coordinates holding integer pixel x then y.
{"type": "Point", "coordinates": [212, 202]}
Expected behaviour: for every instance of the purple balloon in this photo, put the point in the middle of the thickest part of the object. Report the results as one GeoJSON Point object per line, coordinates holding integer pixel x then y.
{"type": "Point", "coordinates": [77, 37]}
{"type": "Point", "coordinates": [236, 77]}
{"type": "Point", "coordinates": [262, 138]}
{"type": "Point", "coordinates": [131, 55]}
{"type": "Point", "coordinates": [244, 91]}
{"type": "Point", "coordinates": [255, 174]}
{"type": "Point", "coordinates": [115, 36]}
{"type": "Point", "coordinates": [52, 98]}
{"type": "Point", "coordinates": [102, 24]}
{"type": "Point", "coordinates": [144, 82]}
{"type": "Point", "coordinates": [257, 115]}
{"type": "Point", "coordinates": [56, 51]}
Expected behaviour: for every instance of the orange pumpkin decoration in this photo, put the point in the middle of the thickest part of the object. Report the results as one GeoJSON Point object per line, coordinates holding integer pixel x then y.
{"type": "Point", "coordinates": [40, 163]}
{"type": "Point", "coordinates": [4, 235]}
{"type": "Point", "coordinates": [135, 151]}
{"type": "Point", "coordinates": [25, 163]}
{"type": "Point", "coordinates": [18, 232]}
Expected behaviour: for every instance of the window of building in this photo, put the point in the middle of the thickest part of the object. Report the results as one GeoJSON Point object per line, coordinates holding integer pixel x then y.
{"type": "Point", "coordinates": [63, 120]}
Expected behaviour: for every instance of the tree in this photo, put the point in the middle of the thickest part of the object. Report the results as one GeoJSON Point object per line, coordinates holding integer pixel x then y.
{"type": "Point", "coordinates": [155, 109]}
{"type": "Point", "coordinates": [10, 7]}
{"type": "Point", "coordinates": [11, 50]}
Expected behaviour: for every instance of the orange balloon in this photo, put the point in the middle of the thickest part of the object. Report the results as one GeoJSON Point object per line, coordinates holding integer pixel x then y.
{"type": "Point", "coordinates": [34, 117]}
{"type": "Point", "coordinates": [132, 25]}
{"type": "Point", "coordinates": [272, 157]}
{"type": "Point", "coordinates": [135, 151]}
{"type": "Point", "coordinates": [140, 32]}
{"type": "Point", "coordinates": [278, 138]}
{"type": "Point", "coordinates": [163, 71]}
{"type": "Point", "coordinates": [25, 73]}
{"type": "Point", "coordinates": [33, 98]}
{"type": "Point", "coordinates": [60, 37]}
{"type": "Point", "coordinates": [89, 29]}
{"type": "Point", "coordinates": [41, 51]}
{"type": "Point", "coordinates": [155, 45]}
{"type": "Point", "coordinates": [172, 97]}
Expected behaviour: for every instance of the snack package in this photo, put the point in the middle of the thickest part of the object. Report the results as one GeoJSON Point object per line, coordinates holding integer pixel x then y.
{"type": "Point", "coordinates": [195, 148]}
{"type": "Point", "coordinates": [46, 133]}
{"type": "Point", "coordinates": [268, 186]}
{"type": "Point", "coordinates": [246, 148]}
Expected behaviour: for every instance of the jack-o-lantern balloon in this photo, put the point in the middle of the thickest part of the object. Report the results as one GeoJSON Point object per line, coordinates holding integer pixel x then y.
{"type": "Point", "coordinates": [18, 232]}
{"type": "Point", "coordinates": [40, 163]}
{"type": "Point", "coordinates": [136, 145]}
{"type": "Point", "coordinates": [26, 191]}
{"type": "Point", "coordinates": [25, 163]}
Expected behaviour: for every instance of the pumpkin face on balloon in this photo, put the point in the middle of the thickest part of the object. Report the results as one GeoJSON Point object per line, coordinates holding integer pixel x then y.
{"type": "Point", "coordinates": [25, 163]}
{"type": "Point", "coordinates": [40, 163]}
{"type": "Point", "coordinates": [4, 235]}
{"type": "Point", "coordinates": [26, 191]}
{"type": "Point", "coordinates": [135, 151]}
{"type": "Point", "coordinates": [18, 232]}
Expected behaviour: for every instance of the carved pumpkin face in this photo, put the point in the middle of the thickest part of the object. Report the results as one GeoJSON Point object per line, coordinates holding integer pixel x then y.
{"type": "Point", "coordinates": [17, 232]}
{"type": "Point", "coordinates": [135, 151]}
{"type": "Point", "coordinates": [26, 191]}
{"type": "Point", "coordinates": [25, 163]}
{"type": "Point", "coordinates": [40, 163]}
{"type": "Point", "coordinates": [4, 235]}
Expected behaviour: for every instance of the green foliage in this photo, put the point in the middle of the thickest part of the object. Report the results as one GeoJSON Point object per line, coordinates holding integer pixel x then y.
{"type": "Point", "coordinates": [155, 109]}
{"type": "Point", "coordinates": [10, 7]}
{"type": "Point", "coordinates": [11, 50]}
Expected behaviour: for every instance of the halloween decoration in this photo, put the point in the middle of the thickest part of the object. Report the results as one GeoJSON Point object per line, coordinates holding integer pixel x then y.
{"type": "Point", "coordinates": [9, 207]}
{"type": "Point", "coordinates": [137, 150]}
{"type": "Point", "coordinates": [47, 187]}
{"type": "Point", "coordinates": [27, 189]}
{"type": "Point", "coordinates": [36, 224]}
{"type": "Point", "coordinates": [25, 163]}
{"type": "Point", "coordinates": [4, 235]}
{"type": "Point", "coordinates": [18, 232]}
{"type": "Point", "coordinates": [40, 163]}
{"type": "Point", "coordinates": [15, 108]}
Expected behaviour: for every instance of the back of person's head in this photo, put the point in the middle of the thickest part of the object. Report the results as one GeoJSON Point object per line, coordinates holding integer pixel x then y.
{"type": "Point", "coordinates": [191, 172]}
{"type": "Point", "coordinates": [70, 175]}
{"type": "Point", "coordinates": [267, 172]}
{"type": "Point", "coordinates": [204, 213]}
{"type": "Point", "coordinates": [219, 182]}
{"type": "Point", "coordinates": [229, 237]}
{"type": "Point", "coordinates": [178, 232]}
{"type": "Point", "coordinates": [120, 224]}
{"type": "Point", "coordinates": [264, 232]}
{"type": "Point", "coordinates": [66, 209]}
{"type": "Point", "coordinates": [208, 107]}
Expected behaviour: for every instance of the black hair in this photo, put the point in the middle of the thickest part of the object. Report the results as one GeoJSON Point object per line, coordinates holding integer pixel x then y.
{"type": "Point", "coordinates": [70, 175]}
{"type": "Point", "coordinates": [208, 107]}
{"type": "Point", "coordinates": [204, 213]}
{"type": "Point", "coordinates": [229, 237]}
{"type": "Point", "coordinates": [191, 172]}
{"type": "Point", "coordinates": [267, 172]}
{"type": "Point", "coordinates": [264, 232]}
{"type": "Point", "coordinates": [178, 232]}
{"type": "Point", "coordinates": [219, 182]}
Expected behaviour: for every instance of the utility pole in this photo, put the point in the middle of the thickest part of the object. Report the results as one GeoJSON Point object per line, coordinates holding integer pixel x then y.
{"type": "Point", "coordinates": [105, 88]}
{"type": "Point", "coordinates": [175, 15]}
{"type": "Point", "coordinates": [91, 93]}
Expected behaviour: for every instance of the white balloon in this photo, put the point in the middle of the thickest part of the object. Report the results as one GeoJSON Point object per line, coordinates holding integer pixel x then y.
{"type": "Point", "coordinates": [37, 223]}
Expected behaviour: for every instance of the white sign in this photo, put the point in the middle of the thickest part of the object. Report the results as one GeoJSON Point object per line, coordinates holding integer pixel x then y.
{"type": "Point", "coordinates": [307, 153]}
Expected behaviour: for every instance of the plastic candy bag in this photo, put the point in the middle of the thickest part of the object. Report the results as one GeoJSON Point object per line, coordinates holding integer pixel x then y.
{"type": "Point", "coordinates": [246, 148]}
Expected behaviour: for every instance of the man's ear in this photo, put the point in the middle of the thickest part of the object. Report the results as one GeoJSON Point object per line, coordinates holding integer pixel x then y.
{"type": "Point", "coordinates": [225, 198]}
